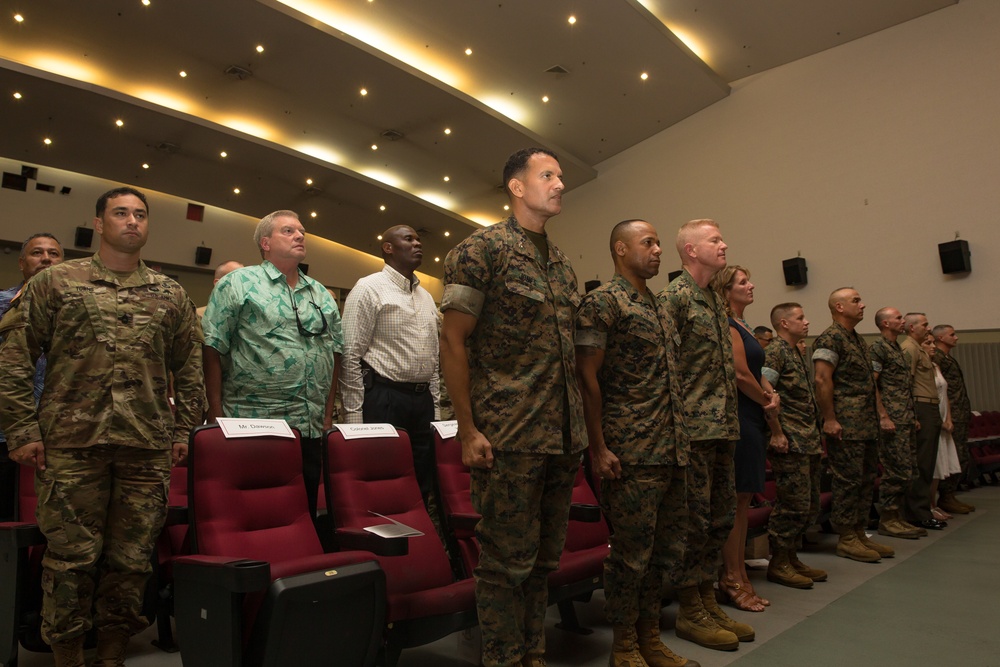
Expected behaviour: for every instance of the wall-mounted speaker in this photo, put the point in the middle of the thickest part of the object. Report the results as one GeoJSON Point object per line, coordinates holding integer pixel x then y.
{"type": "Point", "coordinates": [955, 256]}
{"type": "Point", "coordinates": [672, 275]}
{"type": "Point", "coordinates": [795, 271]}
{"type": "Point", "coordinates": [84, 237]}
{"type": "Point", "coordinates": [591, 285]}
{"type": "Point", "coordinates": [202, 255]}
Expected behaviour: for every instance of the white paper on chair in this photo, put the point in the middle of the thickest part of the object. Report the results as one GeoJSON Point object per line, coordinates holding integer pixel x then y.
{"type": "Point", "coordinates": [357, 431]}
{"type": "Point", "coordinates": [249, 428]}
{"type": "Point", "coordinates": [394, 529]}
{"type": "Point", "coordinates": [448, 429]}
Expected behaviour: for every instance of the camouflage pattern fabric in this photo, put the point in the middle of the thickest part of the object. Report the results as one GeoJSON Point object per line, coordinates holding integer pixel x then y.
{"type": "Point", "coordinates": [704, 350]}
{"type": "Point", "coordinates": [641, 412]}
{"type": "Point", "coordinates": [711, 490]}
{"type": "Point", "coordinates": [786, 370]}
{"type": "Point", "coordinates": [106, 504]}
{"type": "Point", "coordinates": [269, 369]}
{"type": "Point", "coordinates": [899, 463]}
{"type": "Point", "coordinates": [522, 362]}
{"type": "Point", "coordinates": [111, 345]}
{"type": "Point", "coordinates": [853, 467]}
{"type": "Point", "coordinates": [958, 396]}
{"type": "Point", "coordinates": [796, 478]}
{"type": "Point", "coordinates": [853, 382]}
{"type": "Point", "coordinates": [647, 508]}
{"type": "Point", "coordinates": [524, 502]}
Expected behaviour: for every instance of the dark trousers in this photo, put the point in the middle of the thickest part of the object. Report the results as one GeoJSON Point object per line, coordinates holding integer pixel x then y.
{"type": "Point", "coordinates": [312, 470]}
{"type": "Point", "coordinates": [413, 412]}
{"type": "Point", "coordinates": [918, 498]}
{"type": "Point", "coordinates": [8, 484]}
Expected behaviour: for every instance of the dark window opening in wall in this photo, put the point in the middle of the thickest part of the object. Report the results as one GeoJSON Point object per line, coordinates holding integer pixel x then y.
{"type": "Point", "coordinates": [14, 182]}
{"type": "Point", "coordinates": [44, 187]}
{"type": "Point", "coordinates": [29, 172]}
{"type": "Point", "coordinates": [196, 212]}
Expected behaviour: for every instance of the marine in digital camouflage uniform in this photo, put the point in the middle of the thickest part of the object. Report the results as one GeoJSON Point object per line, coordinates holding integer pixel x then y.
{"type": "Point", "coordinates": [945, 339]}
{"type": "Point", "coordinates": [512, 297]}
{"type": "Point", "coordinates": [638, 448]}
{"type": "Point", "coordinates": [846, 396]}
{"type": "Point", "coordinates": [704, 351]}
{"type": "Point", "coordinates": [899, 465]}
{"type": "Point", "coordinates": [797, 470]}
{"type": "Point", "coordinates": [114, 332]}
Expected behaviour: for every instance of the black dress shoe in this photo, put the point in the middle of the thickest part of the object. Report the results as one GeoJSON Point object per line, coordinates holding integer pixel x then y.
{"type": "Point", "coordinates": [933, 524]}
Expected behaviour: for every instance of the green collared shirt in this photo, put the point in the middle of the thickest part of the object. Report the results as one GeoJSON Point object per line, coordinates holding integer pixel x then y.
{"type": "Point", "coordinates": [894, 380]}
{"type": "Point", "coordinates": [270, 370]}
{"type": "Point", "coordinates": [785, 368]}
{"type": "Point", "coordinates": [853, 381]}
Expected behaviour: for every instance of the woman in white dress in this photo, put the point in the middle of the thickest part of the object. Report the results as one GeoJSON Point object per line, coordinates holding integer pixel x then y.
{"type": "Point", "coordinates": [947, 455]}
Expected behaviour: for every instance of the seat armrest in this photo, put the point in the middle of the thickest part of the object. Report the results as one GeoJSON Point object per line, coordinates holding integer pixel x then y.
{"type": "Point", "coordinates": [177, 515]}
{"type": "Point", "coordinates": [236, 575]}
{"type": "Point", "coordinates": [585, 513]}
{"type": "Point", "coordinates": [464, 521]}
{"type": "Point", "coordinates": [19, 535]}
{"type": "Point", "coordinates": [359, 539]}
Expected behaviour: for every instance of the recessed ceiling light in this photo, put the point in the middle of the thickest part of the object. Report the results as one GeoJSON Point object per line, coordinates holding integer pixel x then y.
{"type": "Point", "coordinates": [183, 74]}
{"type": "Point", "coordinates": [236, 191]}
{"type": "Point", "coordinates": [379, 237]}
{"type": "Point", "coordinates": [313, 214]}
{"type": "Point", "coordinates": [47, 141]}
{"type": "Point", "coordinates": [260, 48]}
{"type": "Point", "coordinates": [447, 130]}
{"type": "Point", "coordinates": [644, 76]}
{"type": "Point", "coordinates": [18, 18]}
{"type": "Point", "coordinates": [364, 91]}
{"type": "Point", "coordinates": [145, 3]}
{"type": "Point", "coordinates": [447, 233]}
{"type": "Point", "coordinates": [120, 123]}
{"type": "Point", "coordinates": [506, 207]}
{"type": "Point", "coordinates": [374, 147]}
{"type": "Point", "coordinates": [145, 165]}
{"type": "Point", "coordinates": [468, 52]}
{"type": "Point", "coordinates": [17, 96]}
{"type": "Point", "coordinates": [309, 181]}
{"type": "Point", "coordinates": [545, 98]}
{"type": "Point", "coordinates": [223, 154]}
{"type": "Point", "coordinates": [382, 207]}
{"type": "Point", "coordinates": [572, 20]}
{"type": "Point", "coordinates": [447, 178]}
{"type": "Point", "coordinates": [437, 259]}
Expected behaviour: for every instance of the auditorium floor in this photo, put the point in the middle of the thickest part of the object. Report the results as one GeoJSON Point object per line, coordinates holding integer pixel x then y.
{"type": "Point", "coordinates": [935, 603]}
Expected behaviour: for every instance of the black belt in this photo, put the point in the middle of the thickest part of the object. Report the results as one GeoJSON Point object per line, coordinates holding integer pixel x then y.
{"type": "Point", "coordinates": [921, 399]}
{"type": "Point", "coordinates": [412, 387]}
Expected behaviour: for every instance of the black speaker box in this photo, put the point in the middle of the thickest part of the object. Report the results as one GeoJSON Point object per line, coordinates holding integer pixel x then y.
{"type": "Point", "coordinates": [795, 271]}
{"type": "Point", "coordinates": [202, 255]}
{"type": "Point", "coordinates": [955, 257]}
{"type": "Point", "coordinates": [672, 275]}
{"type": "Point", "coordinates": [84, 237]}
{"type": "Point", "coordinates": [591, 285]}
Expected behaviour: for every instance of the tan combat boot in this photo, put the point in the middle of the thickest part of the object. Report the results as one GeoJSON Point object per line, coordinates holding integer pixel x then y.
{"type": "Point", "coordinates": [780, 570]}
{"type": "Point", "coordinates": [625, 648]}
{"type": "Point", "coordinates": [69, 653]}
{"type": "Point", "coordinates": [111, 648]}
{"type": "Point", "coordinates": [890, 525]}
{"type": "Point", "coordinates": [949, 503]}
{"type": "Point", "coordinates": [849, 546]}
{"type": "Point", "coordinates": [654, 651]}
{"type": "Point", "coordinates": [881, 549]}
{"type": "Point", "coordinates": [743, 632]}
{"type": "Point", "coordinates": [695, 624]}
{"type": "Point", "coordinates": [532, 661]}
{"type": "Point", "coordinates": [813, 573]}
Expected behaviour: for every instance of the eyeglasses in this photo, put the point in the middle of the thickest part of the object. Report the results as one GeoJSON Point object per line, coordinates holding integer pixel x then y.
{"type": "Point", "coordinates": [298, 323]}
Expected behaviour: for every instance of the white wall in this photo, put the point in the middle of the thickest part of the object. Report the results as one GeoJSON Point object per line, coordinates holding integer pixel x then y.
{"type": "Point", "coordinates": [172, 238]}
{"type": "Point", "coordinates": [863, 158]}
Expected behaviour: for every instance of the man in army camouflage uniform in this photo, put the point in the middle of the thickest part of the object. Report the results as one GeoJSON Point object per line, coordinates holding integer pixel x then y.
{"type": "Point", "coordinates": [104, 435]}
{"type": "Point", "coordinates": [847, 397]}
{"type": "Point", "coordinates": [511, 296]}
{"type": "Point", "coordinates": [945, 339]}
{"type": "Point", "coordinates": [633, 410]}
{"type": "Point", "coordinates": [707, 377]}
{"type": "Point", "coordinates": [892, 376]}
{"type": "Point", "coordinates": [797, 468]}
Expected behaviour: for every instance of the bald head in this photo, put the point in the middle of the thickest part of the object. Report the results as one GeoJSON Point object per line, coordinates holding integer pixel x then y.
{"type": "Point", "coordinates": [840, 296]}
{"type": "Point", "coordinates": [224, 269]}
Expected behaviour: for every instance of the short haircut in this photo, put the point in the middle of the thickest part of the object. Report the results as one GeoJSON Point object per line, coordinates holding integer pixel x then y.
{"type": "Point", "coordinates": [687, 230]}
{"type": "Point", "coordinates": [835, 297]}
{"type": "Point", "coordinates": [941, 329]}
{"type": "Point", "coordinates": [618, 232]}
{"type": "Point", "coordinates": [761, 330]}
{"type": "Point", "coordinates": [882, 315]}
{"type": "Point", "coordinates": [389, 232]}
{"type": "Point", "coordinates": [102, 201]}
{"type": "Point", "coordinates": [782, 311]}
{"type": "Point", "coordinates": [517, 163]}
{"type": "Point", "coordinates": [221, 271]}
{"type": "Point", "coordinates": [39, 235]}
{"type": "Point", "coordinates": [911, 319]}
{"type": "Point", "coordinates": [266, 226]}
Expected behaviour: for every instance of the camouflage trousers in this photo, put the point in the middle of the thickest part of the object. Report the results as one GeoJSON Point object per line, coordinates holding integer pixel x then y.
{"type": "Point", "coordinates": [647, 509]}
{"type": "Point", "coordinates": [796, 478]}
{"type": "Point", "coordinates": [101, 509]}
{"type": "Point", "coordinates": [711, 491]}
{"type": "Point", "coordinates": [853, 467]}
{"type": "Point", "coordinates": [524, 501]}
{"type": "Point", "coordinates": [899, 466]}
{"type": "Point", "coordinates": [960, 433]}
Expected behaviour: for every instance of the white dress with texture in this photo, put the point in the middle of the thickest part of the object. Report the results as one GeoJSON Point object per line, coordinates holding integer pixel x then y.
{"type": "Point", "coordinates": [947, 455]}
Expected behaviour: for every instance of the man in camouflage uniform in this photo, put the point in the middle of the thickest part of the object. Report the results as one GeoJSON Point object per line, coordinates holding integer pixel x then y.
{"type": "Point", "coordinates": [104, 435]}
{"type": "Point", "coordinates": [632, 406]}
{"type": "Point", "coordinates": [704, 352]}
{"type": "Point", "coordinates": [847, 397]}
{"type": "Point", "coordinates": [507, 353]}
{"type": "Point", "coordinates": [928, 419]}
{"type": "Point", "coordinates": [945, 339]}
{"type": "Point", "coordinates": [899, 466]}
{"type": "Point", "coordinates": [797, 468]}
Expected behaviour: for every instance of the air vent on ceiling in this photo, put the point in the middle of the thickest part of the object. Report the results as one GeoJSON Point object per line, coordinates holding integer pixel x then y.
{"type": "Point", "coordinates": [313, 190]}
{"type": "Point", "coordinates": [168, 147]}
{"type": "Point", "coordinates": [240, 73]}
{"type": "Point", "coordinates": [391, 135]}
{"type": "Point", "coordinates": [557, 69]}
